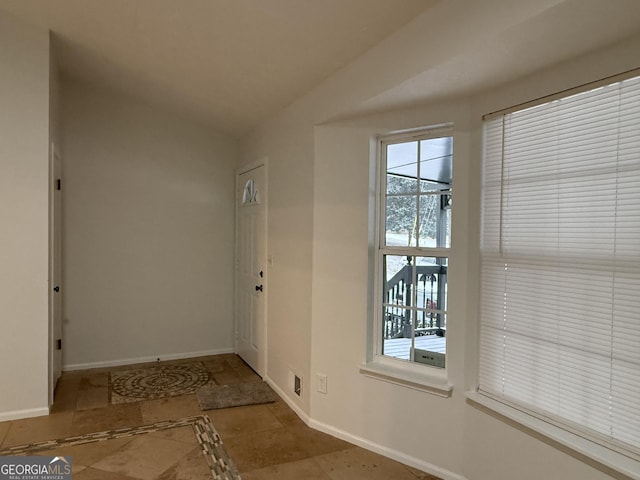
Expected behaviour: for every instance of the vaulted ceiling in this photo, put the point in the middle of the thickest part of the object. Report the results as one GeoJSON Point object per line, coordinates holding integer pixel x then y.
{"type": "Point", "coordinates": [231, 64]}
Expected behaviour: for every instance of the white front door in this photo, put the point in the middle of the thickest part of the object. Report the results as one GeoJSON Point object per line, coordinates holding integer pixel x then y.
{"type": "Point", "coordinates": [55, 272]}
{"type": "Point", "coordinates": [251, 268]}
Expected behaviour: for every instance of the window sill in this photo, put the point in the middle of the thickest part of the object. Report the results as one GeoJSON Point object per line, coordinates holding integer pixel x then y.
{"type": "Point", "coordinates": [600, 454]}
{"type": "Point", "coordinates": [421, 378]}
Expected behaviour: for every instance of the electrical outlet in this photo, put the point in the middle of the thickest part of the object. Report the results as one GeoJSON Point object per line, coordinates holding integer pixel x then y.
{"type": "Point", "coordinates": [322, 383]}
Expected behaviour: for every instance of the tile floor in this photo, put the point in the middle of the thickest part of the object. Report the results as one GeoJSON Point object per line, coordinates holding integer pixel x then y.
{"type": "Point", "coordinates": [265, 441]}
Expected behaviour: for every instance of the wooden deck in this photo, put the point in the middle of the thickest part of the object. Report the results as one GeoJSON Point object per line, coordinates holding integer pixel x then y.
{"type": "Point", "coordinates": [400, 347]}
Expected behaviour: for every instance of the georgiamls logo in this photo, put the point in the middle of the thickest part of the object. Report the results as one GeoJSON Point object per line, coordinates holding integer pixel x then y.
{"type": "Point", "coordinates": [35, 468]}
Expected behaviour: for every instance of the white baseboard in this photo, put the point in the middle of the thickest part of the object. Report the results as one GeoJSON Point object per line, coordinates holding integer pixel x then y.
{"type": "Point", "coordinates": [364, 443]}
{"type": "Point", "coordinates": [289, 401]}
{"type": "Point", "coordinates": [133, 361]}
{"type": "Point", "coordinates": [386, 451]}
{"type": "Point", "coordinates": [19, 414]}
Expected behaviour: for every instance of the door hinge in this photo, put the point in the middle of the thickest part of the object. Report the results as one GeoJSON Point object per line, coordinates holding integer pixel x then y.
{"type": "Point", "coordinates": [59, 344]}
{"type": "Point", "coordinates": [58, 184]}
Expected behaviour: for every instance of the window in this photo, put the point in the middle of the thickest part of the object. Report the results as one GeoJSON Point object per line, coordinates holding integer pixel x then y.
{"type": "Point", "coordinates": [413, 246]}
{"type": "Point", "coordinates": [560, 246]}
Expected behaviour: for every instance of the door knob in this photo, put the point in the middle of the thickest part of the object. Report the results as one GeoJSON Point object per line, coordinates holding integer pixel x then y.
{"type": "Point", "coordinates": [56, 288]}
{"type": "Point", "coordinates": [258, 288]}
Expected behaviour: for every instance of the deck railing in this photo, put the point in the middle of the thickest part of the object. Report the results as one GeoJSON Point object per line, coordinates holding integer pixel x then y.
{"type": "Point", "coordinates": [428, 294]}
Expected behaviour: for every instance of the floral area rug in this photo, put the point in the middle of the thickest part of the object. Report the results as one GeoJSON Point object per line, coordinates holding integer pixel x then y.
{"type": "Point", "coordinates": [158, 381]}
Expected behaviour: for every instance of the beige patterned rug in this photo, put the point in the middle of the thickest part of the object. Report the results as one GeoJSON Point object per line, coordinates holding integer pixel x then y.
{"type": "Point", "coordinates": [211, 396]}
{"type": "Point", "coordinates": [158, 381]}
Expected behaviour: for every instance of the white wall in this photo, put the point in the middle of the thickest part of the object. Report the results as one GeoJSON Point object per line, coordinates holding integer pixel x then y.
{"type": "Point", "coordinates": [24, 213]}
{"type": "Point", "coordinates": [55, 114]}
{"type": "Point", "coordinates": [289, 244]}
{"type": "Point", "coordinates": [148, 232]}
{"type": "Point", "coordinates": [448, 437]}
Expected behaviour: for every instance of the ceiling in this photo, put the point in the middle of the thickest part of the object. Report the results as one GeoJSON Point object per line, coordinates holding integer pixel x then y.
{"type": "Point", "coordinates": [231, 64]}
{"type": "Point", "coordinates": [227, 63]}
{"type": "Point", "coordinates": [557, 32]}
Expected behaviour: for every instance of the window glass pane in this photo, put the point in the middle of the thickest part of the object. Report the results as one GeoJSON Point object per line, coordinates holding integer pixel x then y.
{"type": "Point", "coordinates": [436, 164]}
{"type": "Point", "coordinates": [431, 273]}
{"type": "Point", "coordinates": [402, 168]}
{"type": "Point", "coordinates": [427, 224]}
{"type": "Point", "coordinates": [414, 308]}
{"type": "Point", "coordinates": [397, 280]}
{"type": "Point", "coordinates": [397, 297]}
{"type": "Point", "coordinates": [434, 223]}
{"type": "Point", "coordinates": [401, 218]}
{"type": "Point", "coordinates": [401, 185]}
{"type": "Point", "coordinates": [428, 186]}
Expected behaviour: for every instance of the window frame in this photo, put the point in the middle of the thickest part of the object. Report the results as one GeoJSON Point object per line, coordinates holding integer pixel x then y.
{"type": "Point", "coordinates": [411, 374]}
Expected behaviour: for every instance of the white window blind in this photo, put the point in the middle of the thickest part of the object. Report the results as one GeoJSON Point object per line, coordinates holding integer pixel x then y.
{"type": "Point", "coordinates": [560, 246]}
